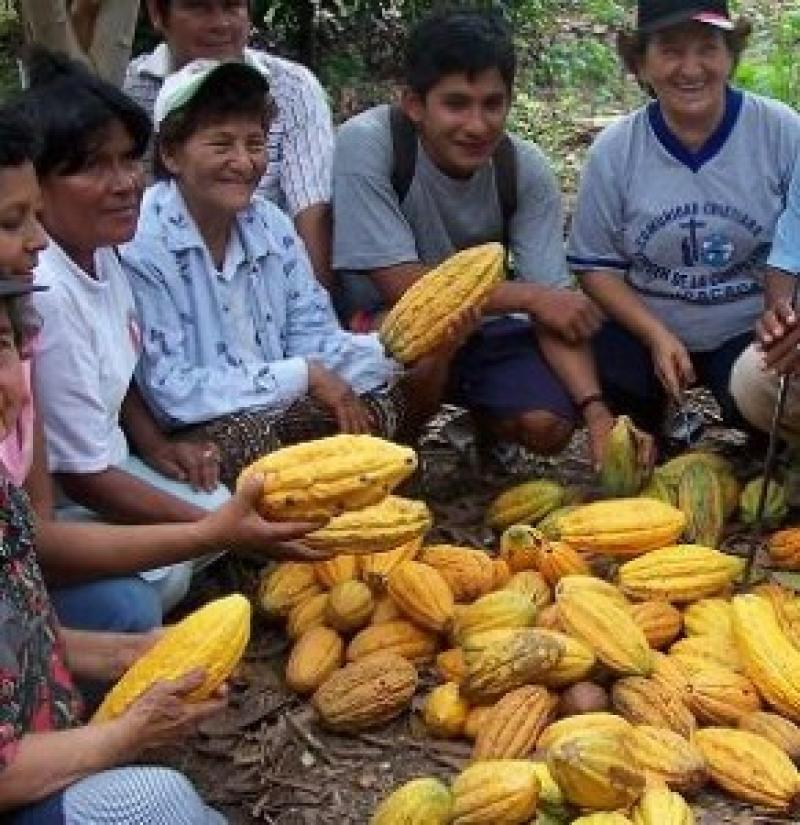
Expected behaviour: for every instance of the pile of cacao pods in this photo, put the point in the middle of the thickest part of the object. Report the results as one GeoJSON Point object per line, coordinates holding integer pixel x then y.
{"type": "Point", "coordinates": [599, 700]}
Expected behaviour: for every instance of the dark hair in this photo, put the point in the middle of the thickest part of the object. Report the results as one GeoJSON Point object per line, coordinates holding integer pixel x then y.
{"type": "Point", "coordinates": [165, 6]}
{"type": "Point", "coordinates": [25, 322]}
{"type": "Point", "coordinates": [465, 41]}
{"type": "Point", "coordinates": [632, 45]}
{"type": "Point", "coordinates": [71, 109]}
{"type": "Point", "coordinates": [224, 95]}
{"type": "Point", "coordinates": [18, 140]}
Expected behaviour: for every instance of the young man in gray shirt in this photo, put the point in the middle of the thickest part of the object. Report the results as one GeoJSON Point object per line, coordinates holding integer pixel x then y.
{"type": "Point", "coordinates": [527, 374]}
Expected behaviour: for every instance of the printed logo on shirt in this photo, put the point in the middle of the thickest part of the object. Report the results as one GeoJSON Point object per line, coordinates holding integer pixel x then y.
{"type": "Point", "coordinates": [699, 258]}
{"type": "Point", "coordinates": [134, 332]}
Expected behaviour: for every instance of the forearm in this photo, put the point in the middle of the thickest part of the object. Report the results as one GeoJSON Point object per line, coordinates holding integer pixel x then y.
{"type": "Point", "coordinates": [38, 484]}
{"type": "Point", "coordinates": [47, 762]}
{"type": "Point", "coordinates": [313, 225]}
{"type": "Point", "coordinates": [95, 656]}
{"type": "Point", "coordinates": [622, 304]}
{"type": "Point", "coordinates": [517, 296]}
{"type": "Point", "coordinates": [120, 497]}
{"type": "Point", "coordinates": [140, 427]}
{"type": "Point", "coordinates": [778, 287]}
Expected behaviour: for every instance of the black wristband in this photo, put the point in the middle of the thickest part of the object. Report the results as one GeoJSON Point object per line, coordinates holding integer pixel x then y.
{"type": "Point", "coordinates": [594, 398]}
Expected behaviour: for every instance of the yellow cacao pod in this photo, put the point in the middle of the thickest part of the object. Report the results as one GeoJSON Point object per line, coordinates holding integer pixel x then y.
{"type": "Point", "coordinates": [591, 585]}
{"type": "Point", "coordinates": [719, 696]}
{"type": "Point", "coordinates": [666, 756]}
{"type": "Point", "coordinates": [700, 500]}
{"type": "Point", "coordinates": [750, 767]}
{"type": "Point", "coordinates": [320, 479]}
{"type": "Point", "coordinates": [776, 507]}
{"type": "Point", "coordinates": [385, 610]}
{"type": "Point", "coordinates": [647, 702]}
{"type": "Point", "coordinates": [212, 638]}
{"type": "Point", "coordinates": [497, 792]}
{"type": "Point", "coordinates": [680, 573]}
{"type": "Point", "coordinates": [533, 585]}
{"type": "Point", "coordinates": [781, 732]}
{"type": "Point", "coordinates": [445, 711]}
{"type": "Point", "coordinates": [548, 526]}
{"type": "Point", "coordinates": [661, 806]}
{"type": "Point", "coordinates": [420, 320]}
{"type": "Point", "coordinates": [502, 573]}
{"type": "Point", "coordinates": [784, 549]}
{"type": "Point", "coordinates": [315, 655]}
{"type": "Point", "coordinates": [621, 527]}
{"type": "Point", "coordinates": [768, 658]}
{"type": "Point", "coordinates": [450, 665]}
{"type": "Point", "coordinates": [660, 622]}
{"type": "Point", "coordinates": [549, 792]}
{"type": "Point", "coordinates": [400, 636]}
{"type": "Point", "coordinates": [608, 629]}
{"type": "Point", "coordinates": [621, 473]}
{"type": "Point", "coordinates": [668, 671]}
{"type": "Point", "coordinates": [556, 559]}
{"type": "Point", "coordinates": [391, 523]}
{"type": "Point", "coordinates": [574, 665]}
{"type": "Point", "coordinates": [350, 605]}
{"type": "Point", "coordinates": [513, 724]}
{"type": "Point", "coordinates": [469, 572]}
{"type": "Point", "coordinates": [595, 770]}
{"type": "Point", "coordinates": [422, 594]}
{"type": "Point", "coordinates": [494, 611]}
{"type": "Point", "coordinates": [375, 567]}
{"type": "Point", "coordinates": [309, 613]}
{"type": "Point", "coordinates": [366, 693]}
{"type": "Point", "coordinates": [709, 617]}
{"type": "Point", "coordinates": [334, 571]}
{"type": "Point", "coordinates": [595, 722]}
{"type": "Point", "coordinates": [671, 471]}
{"type": "Point", "coordinates": [525, 504]}
{"type": "Point", "coordinates": [696, 652]}
{"type": "Point", "coordinates": [603, 818]}
{"type": "Point", "coordinates": [498, 661]}
{"type": "Point", "coordinates": [424, 801]}
{"type": "Point", "coordinates": [286, 586]}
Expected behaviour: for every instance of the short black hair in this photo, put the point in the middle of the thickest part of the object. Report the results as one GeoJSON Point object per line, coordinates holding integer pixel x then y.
{"type": "Point", "coordinates": [222, 96]}
{"type": "Point", "coordinates": [164, 7]}
{"type": "Point", "coordinates": [19, 143]}
{"type": "Point", "coordinates": [463, 41]}
{"type": "Point", "coordinates": [71, 109]}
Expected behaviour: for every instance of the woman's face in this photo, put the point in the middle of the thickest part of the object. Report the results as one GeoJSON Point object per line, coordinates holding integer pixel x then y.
{"type": "Point", "coordinates": [21, 235]}
{"type": "Point", "coordinates": [220, 165]}
{"type": "Point", "coordinates": [98, 205]}
{"type": "Point", "coordinates": [688, 68]}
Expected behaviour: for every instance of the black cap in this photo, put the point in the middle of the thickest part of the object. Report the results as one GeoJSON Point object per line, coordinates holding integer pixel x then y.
{"type": "Point", "coordinates": [660, 14]}
{"type": "Point", "coordinates": [10, 288]}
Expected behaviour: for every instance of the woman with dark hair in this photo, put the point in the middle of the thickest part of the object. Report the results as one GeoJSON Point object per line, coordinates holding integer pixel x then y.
{"type": "Point", "coordinates": [676, 212]}
{"type": "Point", "coordinates": [92, 138]}
{"type": "Point", "coordinates": [240, 343]}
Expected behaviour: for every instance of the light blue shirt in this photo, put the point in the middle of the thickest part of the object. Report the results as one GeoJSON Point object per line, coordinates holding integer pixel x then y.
{"type": "Point", "coordinates": [196, 363]}
{"type": "Point", "coordinates": [785, 252]}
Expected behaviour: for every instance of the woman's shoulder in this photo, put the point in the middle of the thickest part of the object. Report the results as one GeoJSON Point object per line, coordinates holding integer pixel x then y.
{"type": "Point", "coordinates": [620, 130]}
{"type": "Point", "coordinates": [767, 111]}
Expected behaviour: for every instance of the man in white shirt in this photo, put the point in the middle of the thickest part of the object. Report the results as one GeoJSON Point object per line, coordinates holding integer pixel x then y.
{"type": "Point", "coordinates": [300, 140]}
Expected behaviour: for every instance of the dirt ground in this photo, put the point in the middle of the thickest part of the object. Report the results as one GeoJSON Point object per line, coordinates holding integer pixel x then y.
{"type": "Point", "coordinates": [265, 760]}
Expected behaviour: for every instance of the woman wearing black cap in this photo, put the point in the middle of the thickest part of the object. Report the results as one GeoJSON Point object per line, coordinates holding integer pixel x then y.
{"type": "Point", "coordinates": [676, 211]}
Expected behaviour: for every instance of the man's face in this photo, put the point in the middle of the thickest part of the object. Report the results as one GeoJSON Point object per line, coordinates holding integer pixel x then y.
{"type": "Point", "coordinates": [461, 120]}
{"type": "Point", "coordinates": [215, 29]}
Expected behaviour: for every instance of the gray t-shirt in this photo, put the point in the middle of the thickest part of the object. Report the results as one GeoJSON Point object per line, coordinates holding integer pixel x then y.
{"type": "Point", "coordinates": [689, 232]}
{"type": "Point", "coordinates": [439, 215]}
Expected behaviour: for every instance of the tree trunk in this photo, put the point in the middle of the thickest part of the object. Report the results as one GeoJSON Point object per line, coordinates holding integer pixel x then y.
{"type": "Point", "coordinates": [99, 33]}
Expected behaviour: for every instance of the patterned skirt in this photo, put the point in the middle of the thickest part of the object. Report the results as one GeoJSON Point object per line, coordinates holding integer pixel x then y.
{"type": "Point", "coordinates": [244, 436]}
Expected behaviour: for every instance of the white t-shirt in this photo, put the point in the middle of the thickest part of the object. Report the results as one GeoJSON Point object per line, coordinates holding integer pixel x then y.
{"type": "Point", "coordinates": [90, 343]}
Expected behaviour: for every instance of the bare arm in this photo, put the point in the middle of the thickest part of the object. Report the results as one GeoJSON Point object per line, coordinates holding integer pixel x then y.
{"type": "Point", "coordinates": [313, 225]}
{"type": "Point", "coordinates": [39, 484]}
{"type": "Point", "coordinates": [104, 657]}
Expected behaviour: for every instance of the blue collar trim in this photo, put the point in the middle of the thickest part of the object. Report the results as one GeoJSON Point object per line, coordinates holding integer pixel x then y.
{"type": "Point", "coordinates": [695, 160]}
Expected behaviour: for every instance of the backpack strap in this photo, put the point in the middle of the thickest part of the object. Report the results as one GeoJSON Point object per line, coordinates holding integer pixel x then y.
{"type": "Point", "coordinates": [505, 176]}
{"type": "Point", "coordinates": [404, 147]}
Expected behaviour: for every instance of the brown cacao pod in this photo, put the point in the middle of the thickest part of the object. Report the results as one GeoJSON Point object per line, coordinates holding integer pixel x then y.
{"type": "Point", "coordinates": [468, 572]}
{"type": "Point", "coordinates": [385, 610]}
{"type": "Point", "coordinates": [557, 559]}
{"type": "Point", "coordinates": [450, 665]}
{"type": "Point", "coordinates": [784, 549]}
{"type": "Point", "coordinates": [719, 696]}
{"type": "Point", "coordinates": [647, 702]}
{"type": "Point", "coordinates": [781, 732]}
{"type": "Point", "coordinates": [660, 622]}
{"type": "Point", "coordinates": [668, 757]}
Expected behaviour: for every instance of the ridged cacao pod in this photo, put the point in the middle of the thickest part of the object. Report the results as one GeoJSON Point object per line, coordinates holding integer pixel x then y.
{"type": "Point", "coordinates": [423, 801]}
{"type": "Point", "coordinates": [591, 585]}
{"type": "Point", "coordinates": [445, 711]}
{"type": "Point", "coordinates": [548, 526]}
{"type": "Point", "coordinates": [498, 661]}
{"type": "Point", "coordinates": [669, 673]}
{"type": "Point", "coordinates": [549, 792]}
{"type": "Point", "coordinates": [700, 500]}
{"type": "Point", "coordinates": [776, 507]}
{"type": "Point", "coordinates": [499, 792]}
{"type": "Point", "coordinates": [595, 770]}
{"type": "Point", "coordinates": [781, 732]}
{"type": "Point", "coordinates": [750, 767]}
{"type": "Point", "coordinates": [659, 490]}
{"type": "Point", "coordinates": [525, 504]}
{"type": "Point", "coordinates": [307, 614]}
{"type": "Point", "coordinates": [603, 818]}
{"type": "Point", "coordinates": [401, 637]}
{"type": "Point", "coordinates": [556, 559]}
{"type": "Point", "coordinates": [661, 806]}
{"type": "Point", "coordinates": [679, 573]}
{"type": "Point", "coordinates": [422, 594]}
{"type": "Point", "coordinates": [315, 655]}
{"type": "Point", "coordinates": [533, 585]}
{"type": "Point", "coordinates": [575, 663]}
{"type": "Point", "coordinates": [420, 320]}
{"type": "Point", "coordinates": [513, 724]}
{"type": "Point", "coordinates": [393, 522]}
{"type": "Point", "coordinates": [320, 479]}
{"type": "Point", "coordinates": [784, 549]}
{"type": "Point", "coordinates": [476, 718]}
{"type": "Point", "coordinates": [718, 696]}
{"type": "Point", "coordinates": [450, 665]}
{"type": "Point", "coordinates": [366, 693]}
{"type": "Point", "coordinates": [596, 722]}
{"type": "Point", "coordinates": [469, 572]}
{"type": "Point", "coordinates": [502, 573]}
{"type": "Point", "coordinates": [350, 605]}
{"type": "Point", "coordinates": [621, 474]}
{"type": "Point", "coordinates": [334, 571]}
{"type": "Point", "coordinates": [647, 702]}
{"type": "Point", "coordinates": [519, 547]}
{"type": "Point", "coordinates": [697, 652]}
{"type": "Point", "coordinates": [608, 629]}
{"type": "Point", "coordinates": [494, 611]}
{"type": "Point", "coordinates": [286, 586]}
{"type": "Point", "coordinates": [709, 617]}
{"type": "Point", "coordinates": [671, 471]}
{"type": "Point", "coordinates": [660, 621]}
{"type": "Point", "coordinates": [668, 757]}
{"type": "Point", "coordinates": [375, 567]}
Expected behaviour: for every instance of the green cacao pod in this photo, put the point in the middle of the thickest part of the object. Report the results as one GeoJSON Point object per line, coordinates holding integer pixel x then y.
{"type": "Point", "coordinates": [621, 474]}
{"type": "Point", "coordinates": [700, 499]}
{"type": "Point", "coordinates": [775, 506]}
